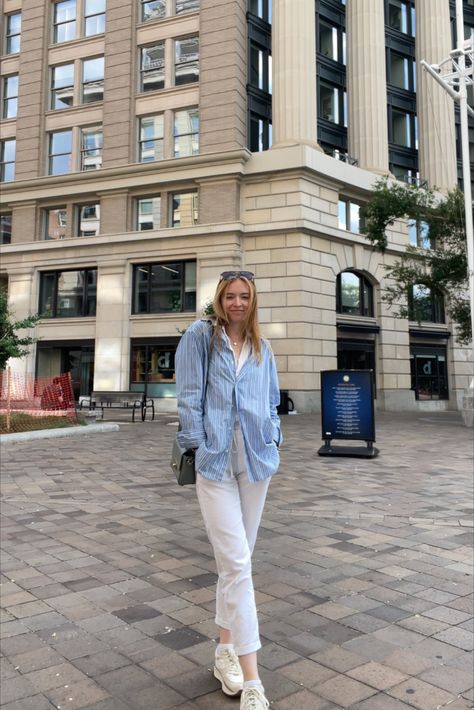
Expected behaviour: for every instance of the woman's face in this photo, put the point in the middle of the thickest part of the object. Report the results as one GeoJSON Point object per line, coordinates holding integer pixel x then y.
{"type": "Point", "coordinates": [236, 301]}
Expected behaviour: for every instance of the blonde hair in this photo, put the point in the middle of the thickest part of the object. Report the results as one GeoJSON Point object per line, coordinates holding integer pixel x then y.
{"type": "Point", "coordinates": [251, 326]}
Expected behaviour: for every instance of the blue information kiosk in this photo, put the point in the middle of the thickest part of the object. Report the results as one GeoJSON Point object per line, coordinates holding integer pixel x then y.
{"type": "Point", "coordinates": [347, 412]}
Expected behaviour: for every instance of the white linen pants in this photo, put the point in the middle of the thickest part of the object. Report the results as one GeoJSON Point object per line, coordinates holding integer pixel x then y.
{"type": "Point", "coordinates": [232, 510]}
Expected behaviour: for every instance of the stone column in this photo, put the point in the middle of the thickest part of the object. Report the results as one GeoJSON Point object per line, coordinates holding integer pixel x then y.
{"type": "Point", "coordinates": [22, 303]}
{"type": "Point", "coordinates": [436, 135]}
{"type": "Point", "coordinates": [367, 84]}
{"type": "Point", "coordinates": [294, 72]}
{"type": "Point", "coordinates": [111, 367]}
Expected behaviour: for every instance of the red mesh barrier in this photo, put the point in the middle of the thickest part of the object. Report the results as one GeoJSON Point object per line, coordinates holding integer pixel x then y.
{"type": "Point", "coordinates": [29, 403]}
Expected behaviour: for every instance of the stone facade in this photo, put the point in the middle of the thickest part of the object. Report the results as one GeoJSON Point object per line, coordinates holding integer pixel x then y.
{"type": "Point", "coordinates": [274, 212]}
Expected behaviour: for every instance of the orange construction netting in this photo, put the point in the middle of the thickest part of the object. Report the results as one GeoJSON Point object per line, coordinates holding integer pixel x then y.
{"type": "Point", "coordinates": [28, 402]}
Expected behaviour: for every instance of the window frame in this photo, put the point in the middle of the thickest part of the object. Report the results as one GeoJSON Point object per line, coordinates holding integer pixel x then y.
{"type": "Point", "coordinates": [194, 134]}
{"type": "Point", "coordinates": [85, 294]}
{"type": "Point", "coordinates": [57, 24]}
{"type": "Point", "coordinates": [151, 19]}
{"type": "Point", "coordinates": [9, 35]}
{"type": "Point", "coordinates": [91, 15]}
{"type": "Point", "coordinates": [45, 222]}
{"type": "Point", "coordinates": [365, 304]}
{"type": "Point", "coordinates": [84, 130]}
{"type": "Point", "coordinates": [144, 71]}
{"type": "Point", "coordinates": [195, 207]}
{"type": "Point", "coordinates": [5, 234]}
{"type": "Point", "coordinates": [194, 77]}
{"type": "Point", "coordinates": [52, 155]}
{"type": "Point", "coordinates": [149, 267]}
{"type": "Point", "coordinates": [436, 306]}
{"type": "Point", "coordinates": [142, 140]}
{"type": "Point", "coordinates": [99, 82]}
{"type": "Point", "coordinates": [6, 97]}
{"type": "Point", "coordinates": [137, 212]}
{"type": "Point", "coordinates": [4, 163]}
{"type": "Point", "coordinates": [54, 90]}
{"type": "Point", "coordinates": [349, 202]}
{"type": "Point", "coordinates": [78, 232]}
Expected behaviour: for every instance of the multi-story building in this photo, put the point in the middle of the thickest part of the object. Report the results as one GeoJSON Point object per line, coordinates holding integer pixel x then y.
{"type": "Point", "coordinates": [147, 146]}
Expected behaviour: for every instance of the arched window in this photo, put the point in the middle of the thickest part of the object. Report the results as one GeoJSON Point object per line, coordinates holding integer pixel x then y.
{"type": "Point", "coordinates": [354, 294]}
{"type": "Point", "coordinates": [425, 305]}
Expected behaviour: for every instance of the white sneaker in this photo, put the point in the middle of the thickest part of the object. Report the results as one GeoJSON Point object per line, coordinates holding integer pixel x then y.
{"type": "Point", "coordinates": [253, 699]}
{"type": "Point", "coordinates": [228, 671]}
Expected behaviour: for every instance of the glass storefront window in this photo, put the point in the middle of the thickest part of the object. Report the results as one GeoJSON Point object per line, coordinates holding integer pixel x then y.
{"type": "Point", "coordinates": [153, 367]}
{"type": "Point", "coordinates": [429, 376]}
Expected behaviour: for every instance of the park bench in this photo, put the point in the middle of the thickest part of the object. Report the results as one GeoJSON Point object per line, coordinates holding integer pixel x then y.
{"type": "Point", "coordinates": [135, 401]}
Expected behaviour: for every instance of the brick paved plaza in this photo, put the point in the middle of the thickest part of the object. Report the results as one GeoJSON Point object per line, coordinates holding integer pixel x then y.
{"type": "Point", "coordinates": [362, 570]}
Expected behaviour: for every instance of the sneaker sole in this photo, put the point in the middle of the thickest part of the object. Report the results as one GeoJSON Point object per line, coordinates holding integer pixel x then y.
{"type": "Point", "coordinates": [225, 689]}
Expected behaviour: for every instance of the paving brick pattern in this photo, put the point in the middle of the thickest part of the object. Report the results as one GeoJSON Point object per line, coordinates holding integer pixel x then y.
{"type": "Point", "coordinates": [362, 572]}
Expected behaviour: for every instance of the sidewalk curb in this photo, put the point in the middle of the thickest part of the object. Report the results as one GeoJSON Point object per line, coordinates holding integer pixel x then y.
{"type": "Point", "coordinates": [50, 433]}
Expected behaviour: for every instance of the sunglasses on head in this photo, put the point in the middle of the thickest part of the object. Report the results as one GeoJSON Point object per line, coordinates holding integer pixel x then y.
{"type": "Point", "coordinates": [231, 275]}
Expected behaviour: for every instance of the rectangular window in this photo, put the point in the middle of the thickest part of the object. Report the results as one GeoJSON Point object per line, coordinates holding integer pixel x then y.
{"type": "Point", "coordinates": [60, 152]}
{"type": "Point", "coordinates": [404, 129]}
{"type": "Point", "coordinates": [7, 160]}
{"type": "Point", "coordinates": [153, 67]}
{"type": "Point", "coordinates": [13, 34]}
{"type": "Point", "coordinates": [153, 10]}
{"type": "Point", "coordinates": [332, 41]}
{"type": "Point", "coordinates": [68, 294]}
{"type": "Point", "coordinates": [92, 80]}
{"type": "Point", "coordinates": [401, 16]}
{"type": "Point", "coordinates": [429, 376]}
{"type": "Point", "coordinates": [10, 96]}
{"type": "Point", "coordinates": [184, 209]}
{"type": "Point", "coordinates": [151, 139]}
{"type": "Point", "coordinates": [260, 133]}
{"type": "Point", "coordinates": [62, 86]}
{"type": "Point", "coordinates": [402, 71]}
{"type": "Point", "coordinates": [5, 228]}
{"type": "Point", "coordinates": [186, 6]}
{"type": "Point", "coordinates": [94, 17]}
{"type": "Point", "coordinates": [148, 213]}
{"type": "Point", "coordinates": [92, 141]}
{"type": "Point", "coordinates": [419, 234]}
{"type": "Point", "coordinates": [55, 223]}
{"type": "Point", "coordinates": [332, 103]}
{"type": "Point", "coordinates": [164, 287]}
{"type": "Point", "coordinates": [260, 67]}
{"type": "Point", "coordinates": [262, 9]}
{"type": "Point", "coordinates": [186, 68]}
{"type": "Point", "coordinates": [64, 28]}
{"type": "Point", "coordinates": [349, 215]}
{"type": "Point", "coordinates": [186, 132]}
{"type": "Point", "coordinates": [88, 220]}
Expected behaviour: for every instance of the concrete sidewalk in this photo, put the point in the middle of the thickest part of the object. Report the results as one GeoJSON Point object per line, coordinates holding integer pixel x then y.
{"type": "Point", "coordinates": [362, 570]}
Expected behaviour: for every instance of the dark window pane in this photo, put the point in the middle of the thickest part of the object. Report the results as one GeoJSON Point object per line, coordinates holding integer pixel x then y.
{"type": "Point", "coordinates": [47, 291]}
{"type": "Point", "coordinates": [5, 228]}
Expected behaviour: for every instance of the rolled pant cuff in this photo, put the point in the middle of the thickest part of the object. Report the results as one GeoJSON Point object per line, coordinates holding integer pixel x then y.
{"type": "Point", "coordinates": [249, 648]}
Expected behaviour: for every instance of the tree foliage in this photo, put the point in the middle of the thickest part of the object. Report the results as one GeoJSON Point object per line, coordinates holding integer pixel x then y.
{"type": "Point", "coordinates": [11, 344]}
{"type": "Point", "coordinates": [441, 266]}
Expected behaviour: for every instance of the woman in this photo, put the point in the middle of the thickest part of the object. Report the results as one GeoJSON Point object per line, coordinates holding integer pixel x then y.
{"type": "Point", "coordinates": [227, 389]}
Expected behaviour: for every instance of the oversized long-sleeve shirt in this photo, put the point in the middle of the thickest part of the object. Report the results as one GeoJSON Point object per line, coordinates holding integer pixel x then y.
{"type": "Point", "coordinates": [211, 395]}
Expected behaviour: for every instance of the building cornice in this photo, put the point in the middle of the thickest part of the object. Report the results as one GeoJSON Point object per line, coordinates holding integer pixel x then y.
{"type": "Point", "coordinates": [128, 176]}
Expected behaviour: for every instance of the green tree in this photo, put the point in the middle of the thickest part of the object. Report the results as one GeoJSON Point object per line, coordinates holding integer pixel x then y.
{"type": "Point", "coordinates": [11, 344]}
{"type": "Point", "coordinates": [438, 261]}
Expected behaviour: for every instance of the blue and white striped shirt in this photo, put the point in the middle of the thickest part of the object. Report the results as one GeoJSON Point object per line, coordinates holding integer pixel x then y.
{"type": "Point", "coordinates": [207, 412]}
